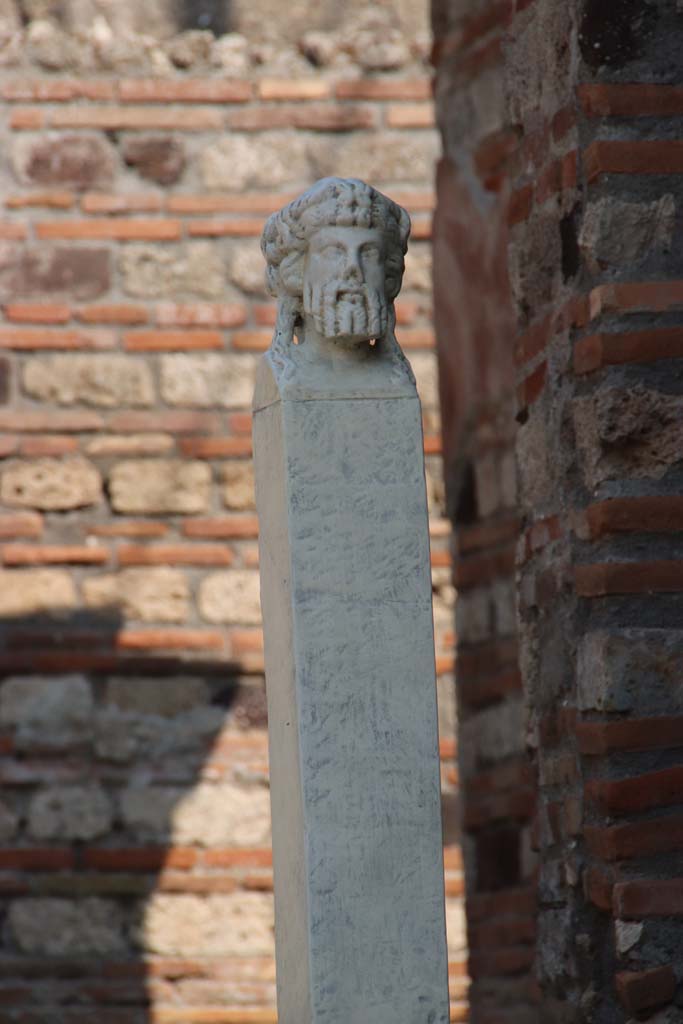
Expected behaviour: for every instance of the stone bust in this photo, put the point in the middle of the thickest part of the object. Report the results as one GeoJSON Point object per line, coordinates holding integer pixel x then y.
{"type": "Point", "coordinates": [335, 259]}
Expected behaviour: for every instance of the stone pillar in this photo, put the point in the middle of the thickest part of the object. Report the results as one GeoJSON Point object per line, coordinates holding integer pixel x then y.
{"type": "Point", "coordinates": [346, 595]}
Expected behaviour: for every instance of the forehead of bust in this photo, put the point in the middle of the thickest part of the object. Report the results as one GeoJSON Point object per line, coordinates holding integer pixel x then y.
{"type": "Point", "coordinates": [345, 237]}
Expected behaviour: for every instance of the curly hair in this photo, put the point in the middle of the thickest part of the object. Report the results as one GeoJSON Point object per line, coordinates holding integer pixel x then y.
{"type": "Point", "coordinates": [331, 202]}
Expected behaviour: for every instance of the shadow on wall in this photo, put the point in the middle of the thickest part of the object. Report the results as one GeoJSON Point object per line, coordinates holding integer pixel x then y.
{"type": "Point", "coordinates": [207, 15]}
{"type": "Point", "coordinates": [135, 869]}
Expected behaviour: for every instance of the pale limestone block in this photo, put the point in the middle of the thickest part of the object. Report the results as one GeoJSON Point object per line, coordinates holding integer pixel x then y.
{"type": "Point", "coordinates": [36, 591]}
{"type": "Point", "coordinates": [158, 594]}
{"type": "Point", "coordinates": [346, 594]}
{"type": "Point", "coordinates": [207, 379]}
{"type": "Point", "coordinates": [236, 924]}
{"type": "Point", "coordinates": [195, 269]}
{"type": "Point", "coordinates": [230, 596]}
{"type": "Point", "coordinates": [160, 486]}
{"type": "Point", "coordinates": [238, 490]}
{"type": "Point", "coordinates": [52, 485]}
{"type": "Point", "coordinates": [60, 927]}
{"type": "Point", "coordinates": [55, 712]}
{"type": "Point", "coordinates": [119, 736]}
{"type": "Point", "coordinates": [99, 380]}
{"type": "Point", "coordinates": [69, 813]}
{"type": "Point", "coordinates": [246, 270]}
{"type": "Point", "coordinates": [147, 695]}
{"type": "Point", "coordinates": [263, 160]}
{"type": "Point", "coordinates": [424, 367]}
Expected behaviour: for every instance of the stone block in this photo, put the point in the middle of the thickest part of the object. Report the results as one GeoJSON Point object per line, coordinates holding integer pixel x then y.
{"type": "Point", "coordinates": [100, 380]}
{"type": "Point", "coordinates": [152, 271]}
{"type": "Point", "coordinates": [62, 271]}
{"type": "Point", "coordinates": [51, 712]}
{"type": "Point", "coordinates": [35, 592]}
{"type": "Point", "coordinates": [70, 813]}
{"type": "Point", "coordinates": [231, 596]}
{"type": "Point", "coordinates": [615, 232]}
{"type": "Point", "coordinates": [246, 268]}
{"type": "Point", "coordinates": [473, 616]}
{"type": "Point", "coordinates": [158, 158]}
{"type": "Point", "coordinates": [238, 491]}
{"type": "Point", "coordinates": [158, 594]}
{"type": "Point", "coordinates": [239, 924]}
{"type": "Point", "coordinates": [265, 160]}
{"type": "Point", "coordinates": [120, 736]}
{"type": "Point", "coordinates": [424, 367]}
{"type": "Point", "coordinates": [52, 485]}
{"type": "Point", "coordinates": [207, 380]}
{"type": "Point", "coordinates": [147, 695]}
{"type": "Point", "coordinates": [160, 486]}
{"type": "Point", "coordinates": [491, 735]}
{"type": "Point", "coordinates": [77, 161]}
{"type": "Point", "coordinates": [59, 927]}
{"type": "Point", "coordinates": [418, 272]}
{"type": "Point", "coordinates": [392, 157]}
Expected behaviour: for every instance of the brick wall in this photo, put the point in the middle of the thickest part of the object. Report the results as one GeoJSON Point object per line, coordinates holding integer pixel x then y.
{"type": "Point", "coordinates": [559, 206]}
{"type": "Point", "coordinates": [135, 870]}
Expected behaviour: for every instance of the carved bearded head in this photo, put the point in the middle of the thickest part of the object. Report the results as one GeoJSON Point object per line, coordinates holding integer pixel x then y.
{"type": "Point", "coordinates": [336, 255]}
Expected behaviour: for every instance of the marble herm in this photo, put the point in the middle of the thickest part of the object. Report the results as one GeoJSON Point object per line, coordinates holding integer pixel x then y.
{"type": "Point", "coordinates": [346, 600]}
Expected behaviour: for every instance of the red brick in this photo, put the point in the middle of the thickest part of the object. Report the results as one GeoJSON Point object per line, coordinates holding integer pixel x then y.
{"type": "Point", "coordinates": [115, 230]}
{"type": "Point", "coordinates": [30, 338]}
{"type": "Point", "coordinates": [417, 338]}
{"type": "Point", "coordinates": [534, 340]}
{"type": "Point", "coordinates": [242, 227]}
{"type": "Point", "coordinates": [61, 91]}
{"type": "Point", "coordinates": [96, 202]}
{"type": "Point", "coordinates": [659, 733]}
{"type": "Point", "coordinates": [639, 793]}
{"type": "Point", "coordinates": [201, 314]}
{"type": "Point", "coordinates": [8, 445]}
{"type": "Point", "coordinates": [42, 421]}
{"type": "Point", "coordinates": [151, 858]}
{"type": "Point", "coordinates": [133, 528]}
{"type": "Point", "coordinates": [38, 313]}
{"type": "Point", "coordinates": [503, 932]}
{"type": "Point", "coordinates": [222, 527]}
{"type": "Point", "coordinates": [27, 119]}
{"type": "Point", "coordinates": [52, 444]}
{"type": "Point", "coordinates": [532, 386]}
{"type": "Point", "coordinates": [482, 811]}
{"type": "Point", "coordinates": [53, 554]}
{"type": "Point", "coordinates": [484, 535]}
{"type": "Point", "coordinates": [128, 118]}
{"type": "Point", "coordinates": [252, 341]}
{"type": "Point", "coordinates": [520, 205]}
{"type": "Point", "coordinates": [294, 89]}
{"type": "Point", "coordinates": [628, 578]}
{"type": "Point", "coordinates": [240, 423]}
{"type": "Point", "coordinates": [563, 122]}
{"type": "Point", "coordinates": [171, 341]}
{"type": "Point", "coordinates": [598, 350]}
{"type": "Point", "coordinates": [645, 990]}
{"type": "Point", "coordinates": [26, 524]}
{"type": "Point", "coordinates": [492, 153]}
{"type": "Point", "coordinates": [384, 89]}
{"type": "Point", "coordinates": [478, 693]}
{"type": "Point", "coordinates": [246, 640]}
{"type": "Point", "coordinates": [648, 296]}
{"type": "Point", "coordinates": [598, 887]}
{"type": "Point", "coordinates": [215, 447]}
{"type": "Point", "coordinates": [12, 232]}
{"type": "Point", "coordinates": [112, 313]}
{"type": "Point", "coordinates": [649, 898]}
{"type": "Point", "coordinates": [637, 839]}
{"type": "Point", "coordinates": [651, 156]}
{"type": "Point", "coordinates": [627, 99]}
{"type": "Point", "coordinates": [164, 422]}
{"type": "Point", "coordinates": [170, 639]}
{"type": "Point", "coordinates": [36, 859]}
{"type": "Point", "coordinates": [255, 202]}
{"type": "Point", "coordinates": [320, 117]}
{"type": "Point", "coordinates": [484, 568]}
{"type": "Point", "coordinates": [52, 198]}
{"type": "Point", "coordinates": [630, 515]}
{"type": "Point", "coordinates": [184, 90]}
{"type": "Point", "coordinates": [232, 858]}
{"type": "Point", "coordinates": [175, 554]}
{"type": "Point", "coordinates": [410, 115]}
{"type": "Point", "coordinates": [495, 962]}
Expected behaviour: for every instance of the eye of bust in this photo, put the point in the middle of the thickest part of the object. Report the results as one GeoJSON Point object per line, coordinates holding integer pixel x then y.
{"type": "Point", "coordinates": [370, 251]}
{"type": "Point", "coordinates": [332, 249]}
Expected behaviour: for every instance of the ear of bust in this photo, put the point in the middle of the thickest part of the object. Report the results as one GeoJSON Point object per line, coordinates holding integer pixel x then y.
{"type": "Point", "coordinates": [292, 273]}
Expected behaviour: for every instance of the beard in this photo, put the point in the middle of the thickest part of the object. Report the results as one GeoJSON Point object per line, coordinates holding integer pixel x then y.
{"type": "Point", "coordinates": [346, 311]}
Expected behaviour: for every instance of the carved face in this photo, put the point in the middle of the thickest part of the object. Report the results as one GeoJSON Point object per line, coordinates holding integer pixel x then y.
{"type": "Point", "coordinates": [344, 285]}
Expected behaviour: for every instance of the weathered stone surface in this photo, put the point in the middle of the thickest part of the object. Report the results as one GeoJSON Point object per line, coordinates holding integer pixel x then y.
{"type": "Point", "coordinates": [538, 75]}
{"type": "Point", "coordinates": [70, 812]}
{"type": "Point", "coordinates": [158, 594]}
{"type": "Point", "coordinates": [50, 484]}
{"type": "Point", "coordinates": [48, 45]}
{"type": "Point", "coordinates": [615, 232]}
{"type": "Point", "coordinates": [216, 925]}
{"type": "Point", "coordinates": [152, 271]}
{"type": "Point", "coordinates": [61, 271]}
{"type": "Point", "coordinates": [190, 48]}
{"type": "Point", "coordinates": [100, 380]}
{"type": "Point", "coordinates": [35, 591]}
{"type": "Point", "coordinates": [160, 486]}
{"type": "Point", "coordinates": [230, 53]}
{"type": "Point", "coordinates": [207, 379]}
{"type": "Point", "coordinates": [70, 160]}
{"type": "Point", "coordinates": [9, 823]}
{"type": "Point", "coordinates": [231, 596]}
{"type": "Point", "coordinates": [147, 695]}
{"type": "Point", "coordinates": [53, 712]}
{"type": "Point", "coordinates": [375, 41]}
{"type": "Point", "coordinates": [418, 274]}
{"type": "Point", "coordinates": [207, 815]}
{"type": "Point", "coordinates": [495, 733]}
{"type": "Point", "coordinates": [238, 493]}
{"type": "Point", "coordinates": [266, 160]}
{"type": "Point", "coordinates": [120, 736]}
{"type": "Point", "coordinates": [392, 157]}
{"type": "Point", "coordinates": [535, 261]}
{"type": "Point", "coordinates": [57, 927]}
{"type": "Point", "coordinates": [424, 367]}
{"type": "Point", "coordinates": [159, 158]}
{"type": "Point", "coordinates": [246, 269]}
